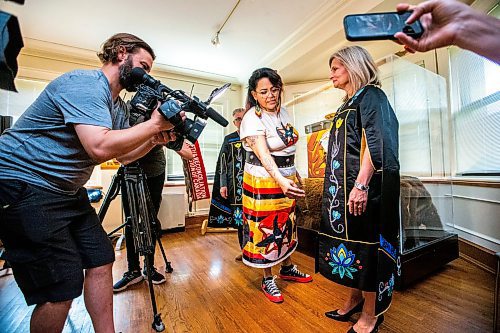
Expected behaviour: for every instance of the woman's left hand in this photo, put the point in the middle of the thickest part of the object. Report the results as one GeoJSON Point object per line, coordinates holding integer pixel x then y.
{"type": "Point", "coordinates": [357, 201]}
{"type": "Point", "coordinates": [290, 189]}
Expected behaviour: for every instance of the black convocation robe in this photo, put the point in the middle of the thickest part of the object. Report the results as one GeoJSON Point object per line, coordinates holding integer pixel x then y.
{"type": "Point", "coordinates": [361, 251]}
{"type": "Point", "coordinates": [229, 171]}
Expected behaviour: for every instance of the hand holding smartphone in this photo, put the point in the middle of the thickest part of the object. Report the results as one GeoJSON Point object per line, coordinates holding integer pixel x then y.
{"type": "Point", "coordinates": [380, 26]}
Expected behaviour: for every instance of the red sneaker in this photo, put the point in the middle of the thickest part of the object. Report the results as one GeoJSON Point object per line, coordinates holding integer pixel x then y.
{"type": "Point", "coordinates": [271, 290]}
{"type": "Point", "coordinates": [293, 274]}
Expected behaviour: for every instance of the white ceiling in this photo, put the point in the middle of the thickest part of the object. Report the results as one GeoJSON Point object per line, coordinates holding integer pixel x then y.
{"type": "Point", "coordinates": [294, 36]}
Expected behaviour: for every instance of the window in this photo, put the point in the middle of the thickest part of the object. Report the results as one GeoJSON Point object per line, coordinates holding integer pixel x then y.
{"type": "Point", "coordinates": [14, 104]}
{"type": "Point", "coordinates": [475, 95]}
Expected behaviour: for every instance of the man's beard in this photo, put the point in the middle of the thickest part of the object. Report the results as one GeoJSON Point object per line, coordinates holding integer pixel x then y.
{"type": "Point", "coordinates": [125, 71]}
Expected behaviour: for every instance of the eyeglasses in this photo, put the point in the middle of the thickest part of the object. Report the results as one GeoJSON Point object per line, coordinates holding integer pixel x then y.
{"type": "Point", "coordinates": [274, 91]}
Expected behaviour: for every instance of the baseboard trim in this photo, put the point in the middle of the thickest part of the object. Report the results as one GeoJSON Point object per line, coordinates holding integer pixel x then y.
{"type": "Point", "coordinates": [477, 255]}
{"type": "Point", "coordinates": [172, 230]}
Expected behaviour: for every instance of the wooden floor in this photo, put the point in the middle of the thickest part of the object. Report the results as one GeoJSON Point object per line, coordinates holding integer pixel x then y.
{"type": "Point", "coordinates": [210, 292]}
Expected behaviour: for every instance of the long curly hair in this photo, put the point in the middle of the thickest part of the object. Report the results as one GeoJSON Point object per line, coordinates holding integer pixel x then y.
{"type": "Point", "coordinates": [111, 47]}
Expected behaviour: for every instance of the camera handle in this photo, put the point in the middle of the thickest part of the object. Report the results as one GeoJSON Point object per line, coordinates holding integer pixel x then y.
{"type": "Point", "coordinates": [139, 215]}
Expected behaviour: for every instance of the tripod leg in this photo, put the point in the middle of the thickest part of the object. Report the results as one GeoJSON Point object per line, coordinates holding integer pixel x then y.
{"type": "Point", "coordinates": [113, 191]}
{"type": "Point", "coordinates": [157, 324]}
{"type": "Point", "coordinates": [168, 265]}
{"type": "Point", "coordinates": [112, 233]}
{"type": "Point", "coordinates": [119, 243]}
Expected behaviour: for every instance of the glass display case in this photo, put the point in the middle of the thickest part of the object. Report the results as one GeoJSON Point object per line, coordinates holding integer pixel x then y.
{"type": "Point", "coordinates": [427, 239]}
{"type": "Point", "coordinates": [418, 96]}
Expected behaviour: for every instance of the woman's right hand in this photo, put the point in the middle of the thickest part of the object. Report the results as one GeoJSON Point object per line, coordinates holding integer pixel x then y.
{"type": "Point", "coordinates": [223, 192]}
{"type": "Point", "coordinates": [290, 189]}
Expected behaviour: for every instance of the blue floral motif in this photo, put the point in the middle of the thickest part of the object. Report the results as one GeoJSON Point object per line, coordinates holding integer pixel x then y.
{"type": "Point", "coordinates": [332, 190]}
{"type": "Point", "coordinates": [238, 216]}
{"type": "Point", "coordinates": [335, 164]}
{"type": "Point", "coordinates": [391, 285]}
{"type": "Point", "coordinates": [342, 261]}
{"type": "Point", "coordinates": [335, 215]}
{"type": "Point", "coordinates": [386, 287]}
{"type": "Point", "coordinates": [238, 191]}
{"type": "Point", "coordinates": [220, 219]}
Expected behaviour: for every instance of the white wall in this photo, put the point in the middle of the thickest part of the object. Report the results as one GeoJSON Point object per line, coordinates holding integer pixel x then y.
{"type": "Point", "coordinates": [476, 214]}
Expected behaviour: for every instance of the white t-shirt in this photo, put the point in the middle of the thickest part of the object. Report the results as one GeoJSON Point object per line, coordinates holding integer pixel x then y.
{"type": "Point", "coordinates": [281, 136]}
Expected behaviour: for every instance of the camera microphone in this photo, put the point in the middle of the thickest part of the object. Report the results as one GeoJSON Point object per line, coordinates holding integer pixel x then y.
{"type": "Point", "coordinates": [216, 116]}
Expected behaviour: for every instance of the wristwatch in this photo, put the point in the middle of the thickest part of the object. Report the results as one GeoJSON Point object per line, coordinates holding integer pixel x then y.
{"type": "Point", "coordinates": [361, 187]}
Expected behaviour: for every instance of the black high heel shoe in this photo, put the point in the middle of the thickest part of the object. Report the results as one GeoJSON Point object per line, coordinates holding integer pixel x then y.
{"type": "Point", "coordinates": [380, 320]}
{"type": "Point", "coordinates": [335, 315]}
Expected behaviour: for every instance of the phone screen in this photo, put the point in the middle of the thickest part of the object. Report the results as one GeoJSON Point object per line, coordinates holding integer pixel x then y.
{"type": "Point", "coordinates": [379, 26]}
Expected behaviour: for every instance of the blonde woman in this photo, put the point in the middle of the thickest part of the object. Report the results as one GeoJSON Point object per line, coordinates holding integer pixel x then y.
{"type": "Point", "coordinates": [360, 216]}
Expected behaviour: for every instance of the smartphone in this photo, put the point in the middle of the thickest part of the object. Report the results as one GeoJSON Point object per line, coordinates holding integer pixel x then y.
{"type": "Point", "coordinates": [379, 26]}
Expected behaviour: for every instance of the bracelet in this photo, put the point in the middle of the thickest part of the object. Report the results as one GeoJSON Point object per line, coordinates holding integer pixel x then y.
{"type": "Point", "coordinates": [361, 187]}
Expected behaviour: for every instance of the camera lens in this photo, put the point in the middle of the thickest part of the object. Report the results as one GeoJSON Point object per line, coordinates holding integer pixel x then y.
{"type": "Point", "coordinates": [408, 29]}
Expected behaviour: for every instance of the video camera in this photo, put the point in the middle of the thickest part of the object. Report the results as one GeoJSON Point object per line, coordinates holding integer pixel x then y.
{"type": "Point", "coordinates": [151, 91]}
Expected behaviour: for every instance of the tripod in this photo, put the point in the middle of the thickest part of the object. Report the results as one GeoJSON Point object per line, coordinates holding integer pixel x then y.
{"type": "Point", "coordinates": [139, 215]}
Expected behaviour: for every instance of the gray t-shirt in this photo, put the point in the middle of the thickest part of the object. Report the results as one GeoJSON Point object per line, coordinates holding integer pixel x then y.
{"type": "Point", "coordinates": [42, 147]}
{"type": "Point", "coordinates": [120, 115]}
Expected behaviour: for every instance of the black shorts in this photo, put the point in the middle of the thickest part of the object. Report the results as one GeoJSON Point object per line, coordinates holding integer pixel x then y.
{"type": "Point", "coordinates": [49, 239]}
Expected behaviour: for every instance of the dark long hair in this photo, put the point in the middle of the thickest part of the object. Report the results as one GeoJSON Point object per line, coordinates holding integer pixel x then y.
{"type": "Point", "coordinates": [258, 74]}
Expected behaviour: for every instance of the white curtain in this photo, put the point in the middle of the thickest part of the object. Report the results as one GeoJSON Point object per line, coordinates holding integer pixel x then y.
{"type": "Point", "coordinates": [475, 96]}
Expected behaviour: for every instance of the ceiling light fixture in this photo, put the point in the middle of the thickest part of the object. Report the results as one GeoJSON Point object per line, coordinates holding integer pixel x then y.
{"type": "Point", "coordinates": [215, 39]}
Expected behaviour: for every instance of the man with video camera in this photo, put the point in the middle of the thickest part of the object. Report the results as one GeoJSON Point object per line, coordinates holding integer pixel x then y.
{"type": "Point", "coordinates": [50, 231]}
